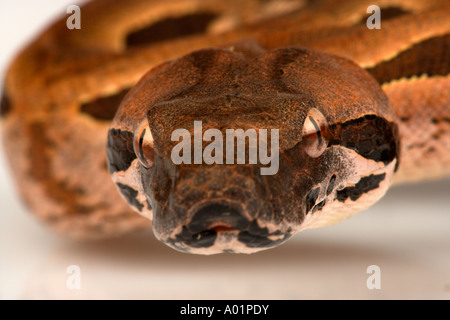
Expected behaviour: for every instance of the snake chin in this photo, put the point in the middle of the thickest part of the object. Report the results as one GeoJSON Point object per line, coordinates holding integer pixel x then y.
{"type": "Point", "coordinates": [226, 241]}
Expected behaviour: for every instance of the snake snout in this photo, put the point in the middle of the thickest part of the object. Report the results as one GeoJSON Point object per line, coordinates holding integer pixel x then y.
{"type": "Point", "coordinates": [209, 223]}
{"type": "Point", "coordinates": [225, 227]}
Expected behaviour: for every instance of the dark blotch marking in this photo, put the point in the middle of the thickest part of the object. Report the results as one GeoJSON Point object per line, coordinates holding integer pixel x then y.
{"type": "Point", "coordinates": [171, 28]}
{"type": "Point", "coordinates": [203, 239]}
{"type": "Point", "coordinates": [387, 13]}
{"type": "Point", "coordinates": [319, 206]}
{"type": "Point", "coordinates": [416, 146]}
{"type": "Point", "coordinates": [257, 241]}
{"type": "Point", "coordinates": [392, 12]}
{"type": "Point", "coordinates": [311, 199]}
{"type": "Point", "coordinates": [365, 185]}
{"type": "Point", "coordinates": [119, 150]}
{"type": "Point", "coordinates": [130, 194]}
{"type": "Point", "coordinates": [5, 106]}
{"type": "Point", "coordinates": [331, 184]}
{"type": "Point", "coordinates": [104, 108]}
{"type": "Point", "coordinates": [41, 149]}
{"type": "Point", "coordinates": [254, 229]}
{"type": "Point", "coordinates": [427, 57]}
{"type": "Point", "coordinates": [441, 119]}
{"type": "Point", "coordinates": [370, 136]}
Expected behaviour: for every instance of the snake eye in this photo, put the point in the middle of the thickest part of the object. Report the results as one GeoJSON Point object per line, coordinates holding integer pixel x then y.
{"type": "Point", "coordinates": [143, 144]}
{"type": "Point", "coordinates": [315, 133]}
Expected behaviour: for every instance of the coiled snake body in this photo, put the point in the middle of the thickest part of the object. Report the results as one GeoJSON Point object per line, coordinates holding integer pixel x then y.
{"type": "Point", "coordinates": [355, 108]}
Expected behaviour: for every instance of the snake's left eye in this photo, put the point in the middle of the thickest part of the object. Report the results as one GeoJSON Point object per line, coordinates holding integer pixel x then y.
{"type": "Point", "coordinates": [143, 144]}
{"type": "Point", "coordinates": [315, 134]}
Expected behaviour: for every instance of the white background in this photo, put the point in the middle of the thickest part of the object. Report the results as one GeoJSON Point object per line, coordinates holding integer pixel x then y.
{"type": "Point", "coordinates": [407, 234]}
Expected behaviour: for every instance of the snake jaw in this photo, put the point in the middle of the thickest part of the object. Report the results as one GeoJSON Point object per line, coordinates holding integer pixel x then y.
{"type": "Point", "coordinates": [205, 214]}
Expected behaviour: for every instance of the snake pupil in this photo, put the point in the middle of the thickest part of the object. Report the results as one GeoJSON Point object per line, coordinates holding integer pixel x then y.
{"type": "Point", "coordinates": [143, 145]}
{"type": "Point", "coordinates": [141, 140]}
{"type": "Point", "coordinates": [319, 136]}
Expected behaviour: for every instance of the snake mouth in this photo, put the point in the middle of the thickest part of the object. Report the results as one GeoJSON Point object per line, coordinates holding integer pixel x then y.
{"type": "Point", "coordinates": [218, 217]}
{"type": "Point", "coordinates": [220, 228]}
{"type": "Point", "coordinates": [211, 221]}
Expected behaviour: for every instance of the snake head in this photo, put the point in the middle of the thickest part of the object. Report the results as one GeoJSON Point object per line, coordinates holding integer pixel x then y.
{"type": "Point", "coordinates": [323, 122]}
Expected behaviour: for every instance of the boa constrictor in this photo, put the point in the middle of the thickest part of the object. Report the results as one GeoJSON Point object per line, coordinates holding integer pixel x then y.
{"type": "Point", "coordinates": [354, 107]}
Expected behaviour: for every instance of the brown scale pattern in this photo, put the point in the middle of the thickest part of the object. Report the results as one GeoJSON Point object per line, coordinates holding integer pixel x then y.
{"type": "Point", "coordinates": [425, 143]}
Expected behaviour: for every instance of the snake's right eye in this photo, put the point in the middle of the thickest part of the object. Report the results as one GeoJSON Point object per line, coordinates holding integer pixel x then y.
{"type": "Point", "coordinates": [315, 134]}
{"type": "Point", "coordinates": [143, 144]}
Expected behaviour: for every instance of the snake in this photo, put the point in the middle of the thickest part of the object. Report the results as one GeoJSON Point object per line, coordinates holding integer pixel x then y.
{"type": "Point", "coordinates": [88, 116]}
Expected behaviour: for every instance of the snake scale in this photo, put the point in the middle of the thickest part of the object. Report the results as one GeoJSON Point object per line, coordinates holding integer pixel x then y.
{"type": "Point", "coordinates": [356, 110]}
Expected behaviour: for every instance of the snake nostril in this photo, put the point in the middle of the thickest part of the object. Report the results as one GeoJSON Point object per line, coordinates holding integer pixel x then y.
{"type": "Point", "coordinates": [218, 218]}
